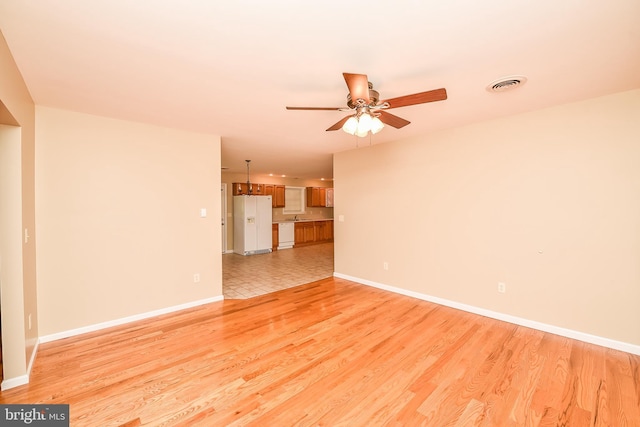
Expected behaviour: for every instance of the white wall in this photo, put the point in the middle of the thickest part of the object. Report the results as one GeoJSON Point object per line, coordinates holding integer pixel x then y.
{"type": "Point", "coordinates": [118, 219]}
{"type": "Point", "coordinates": [547, 202]}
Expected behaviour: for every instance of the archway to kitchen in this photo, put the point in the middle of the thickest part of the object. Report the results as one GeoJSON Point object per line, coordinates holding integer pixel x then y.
{"type": "Point", "coordinates": [254, 275]}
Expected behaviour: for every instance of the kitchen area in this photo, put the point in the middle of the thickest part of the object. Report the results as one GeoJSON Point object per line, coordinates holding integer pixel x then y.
{"type": "Point", "coordinates": [288, 241]}
{"type": "Point", "coordinates": [302, 230]}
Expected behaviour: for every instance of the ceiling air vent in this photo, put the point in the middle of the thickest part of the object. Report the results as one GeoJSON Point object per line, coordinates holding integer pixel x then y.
{"type": "Point", "coordinates": [506, 83]}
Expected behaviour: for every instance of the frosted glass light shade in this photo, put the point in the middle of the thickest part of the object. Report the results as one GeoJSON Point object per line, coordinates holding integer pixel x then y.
{"type": "Point", "coordinates": [351, 125]}
{"type": "Point", "coordinates": [364, 124]}
{"type": "Point", "coordinates": [376, 125]}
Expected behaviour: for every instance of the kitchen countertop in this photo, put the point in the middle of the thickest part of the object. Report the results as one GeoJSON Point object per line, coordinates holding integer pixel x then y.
{"type": "Point", "coordinates": [302, 220]}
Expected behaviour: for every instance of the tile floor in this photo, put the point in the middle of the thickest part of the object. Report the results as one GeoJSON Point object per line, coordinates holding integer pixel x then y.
{"type": "Point", "coordinates": [249, 276]}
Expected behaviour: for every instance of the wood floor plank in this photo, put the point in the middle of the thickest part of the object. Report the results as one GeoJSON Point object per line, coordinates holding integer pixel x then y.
{"type": "Point", "coordinates": [332, 353]}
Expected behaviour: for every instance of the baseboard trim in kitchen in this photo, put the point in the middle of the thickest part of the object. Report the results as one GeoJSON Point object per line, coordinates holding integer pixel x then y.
{"type": "Point", "coordinates": [568, 333]}
{"type": "Point", "coordinates": [129, 319]}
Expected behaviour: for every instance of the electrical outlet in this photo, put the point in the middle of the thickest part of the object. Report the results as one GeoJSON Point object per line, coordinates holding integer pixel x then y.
{"type": "Point", "coordinates": [502, 287]}
{"type": "Point", "coordinates": [196, 278]}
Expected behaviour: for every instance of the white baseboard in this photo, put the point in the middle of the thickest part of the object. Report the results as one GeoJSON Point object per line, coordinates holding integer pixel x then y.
{"type": "Point", "coordinates": [22, 379]}
{"type": "Point", "coordinates": [580, 336]}
{"type": "Point", "coordinates": [14, 382]}
{"type": "Point", "coordinates": [122, 321]}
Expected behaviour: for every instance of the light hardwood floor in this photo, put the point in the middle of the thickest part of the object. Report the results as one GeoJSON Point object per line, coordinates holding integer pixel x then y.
{"type": "Point", "coordinates": [332, 353]}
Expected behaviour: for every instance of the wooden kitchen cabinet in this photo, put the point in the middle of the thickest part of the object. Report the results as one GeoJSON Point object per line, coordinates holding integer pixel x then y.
{"type": "Point", "coordinates": [268, 191]}
{"type": "Point", "coordinates": [304, 233]}
{"type": "Point", "coordinates": [319, 197]}
{"type": "Point", "coordinates": [314, 196]}
{"type": "Point", "coordinates": [275, 191]}
{"type": "Point", "coordinates": [242, 188]}
{"type": "Point", "coordinates": [274, 237]}
{"type": "Point", "coordinates": [323, 231]}
{"type": "Point", "coordinates": [277, 194]}
{"type": "Point", "coordinates": [258, 189]}
{"type": "Point", "coordinates": [329, 198]}
{"type": "Point", "coordinates": [328, 231]}
{"type": "Point", "coordinates": [319, 230]}
{"type": "Point", "coordinates": [313, 232]}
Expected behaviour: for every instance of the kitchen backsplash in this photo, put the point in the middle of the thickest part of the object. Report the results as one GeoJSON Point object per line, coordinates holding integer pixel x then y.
{"type": "Point", "coordinates": [310, 213]}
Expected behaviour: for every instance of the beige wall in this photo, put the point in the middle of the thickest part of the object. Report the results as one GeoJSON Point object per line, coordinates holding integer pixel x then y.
{"type": "Point", "coordinates": [547, 202]}
{"type": "Point", "coordinates": [230, 178]}
{"type": "Point", "coordinates": [118, 215]}
{"type": "Point", "coordinates": [18, 290]}
{"type": "Point", "coordinates": [11, 281]}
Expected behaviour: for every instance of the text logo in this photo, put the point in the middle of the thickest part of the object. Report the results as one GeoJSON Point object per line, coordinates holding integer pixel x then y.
{"type": "Point", "coordinates": [34, 415]}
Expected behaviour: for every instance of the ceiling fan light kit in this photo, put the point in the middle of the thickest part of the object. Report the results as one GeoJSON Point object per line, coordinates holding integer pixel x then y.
{"type": "Point", "coordinates": [362, 123]}
{"type": "Point", "coordinates": [369, 113]}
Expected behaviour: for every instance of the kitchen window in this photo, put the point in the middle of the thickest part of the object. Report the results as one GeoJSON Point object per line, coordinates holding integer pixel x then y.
{"type": "Point", "coordinates": [294, 200]}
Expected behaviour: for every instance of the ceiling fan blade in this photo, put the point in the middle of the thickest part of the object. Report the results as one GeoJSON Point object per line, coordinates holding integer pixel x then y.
{"type": "Point", "coordinates": [358, 85]}
{"type": "Point", "coordinates": [417, 98]}
{"type": "Point", "coordinates": [339, 124]}
{"type": "Point", "coordinates": [315, 108]}
{"type": "Point", "coordinates": [391, 120]}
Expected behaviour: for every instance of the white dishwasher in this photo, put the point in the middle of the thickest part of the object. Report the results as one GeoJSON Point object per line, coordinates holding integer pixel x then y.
{"type": "Point", "coordinates": [285, 235]}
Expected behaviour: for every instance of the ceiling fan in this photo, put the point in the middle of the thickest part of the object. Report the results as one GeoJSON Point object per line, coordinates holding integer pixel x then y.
{"type": "Point", "coordinates": [368, 112]}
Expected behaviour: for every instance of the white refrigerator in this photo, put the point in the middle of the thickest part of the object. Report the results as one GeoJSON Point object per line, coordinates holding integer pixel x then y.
{"type": "Point", "coordinates": [252, 225]}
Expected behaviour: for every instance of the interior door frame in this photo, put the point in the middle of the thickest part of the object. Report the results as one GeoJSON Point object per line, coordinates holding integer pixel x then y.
{"type": "Point", "coordinates": [223, 214]}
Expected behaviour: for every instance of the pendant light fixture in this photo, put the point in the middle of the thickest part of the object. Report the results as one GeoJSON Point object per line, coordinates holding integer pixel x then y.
{"type": "Point", "coordinates": [249, 187]}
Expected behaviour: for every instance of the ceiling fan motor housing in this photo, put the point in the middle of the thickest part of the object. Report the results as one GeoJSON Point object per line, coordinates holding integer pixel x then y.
{"type": "Point", "coordinates": [374, 97]}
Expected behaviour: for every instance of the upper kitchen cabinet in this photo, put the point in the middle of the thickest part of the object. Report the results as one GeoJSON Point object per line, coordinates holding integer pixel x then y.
{"type": "Point", "coordinates": [277, 194]}
{"type": "Point", "coordinates": [329, 198]}
{"type": "Point", "coordinates": [239, 189]}
{"type": "Point", "coordinates": [320, 197]}
{"type": "Point", "coordinates": [242, 189]}
{"type": "Point", "coordinates": [275, 191]}
{"type": "Point", "coordinates": [316, 196]}
{"type": "Point", "coordinates": [258, 189]}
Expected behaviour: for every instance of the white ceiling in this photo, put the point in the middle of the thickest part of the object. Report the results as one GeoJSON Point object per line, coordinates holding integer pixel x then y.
{"type": "Point", "coordinates": [230, 67]}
